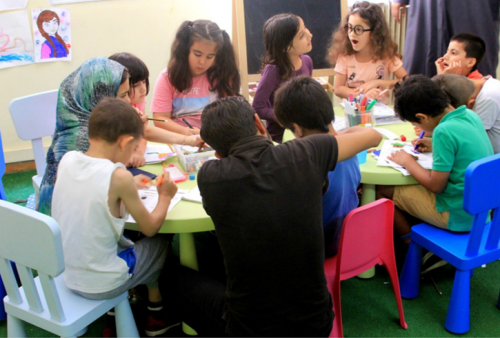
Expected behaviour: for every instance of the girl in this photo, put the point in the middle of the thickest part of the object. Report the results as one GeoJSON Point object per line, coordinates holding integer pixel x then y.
{"type": "Point", "coordinates": [139, 89]}
{"type": "Point", "coordinates": [202, 68]}
{"type": "Point", "coordinates": [364, 54]}
{"type": "Point", "coordinates": [54, 46]}
{"type": "Point", "coordinates": [286, 39]}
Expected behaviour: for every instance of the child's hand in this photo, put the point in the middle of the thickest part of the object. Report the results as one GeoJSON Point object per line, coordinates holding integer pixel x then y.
{"type": "Point", "coordinates": [400, 157]}
{"type": "Point", "coordinates": [167, 187]}
{"type": "Point", "coordinates": [440, 66]}
{"type": "Point", "coordinates": [424, 144]}
{"type": "Point", "coordinates": [141, 181]}
{"type": "Point", "coordinates": [367, 86]}
{"type": "Point", "coordinates": [143, 116]}
{"type": "Point", "coordinates": [454, 68]}
{"type": "Point", "coordinates": [373, 93]}
{"type": "Point", "coordinates": [136, 160]}
{"type": "Point", "coordinates": [194, 131]}
{"type": "Point", "coordinates": [194, 141]}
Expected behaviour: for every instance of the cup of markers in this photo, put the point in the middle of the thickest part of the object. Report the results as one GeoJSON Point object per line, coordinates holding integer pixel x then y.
{"type": "Point", "coordinates": [358, 111]}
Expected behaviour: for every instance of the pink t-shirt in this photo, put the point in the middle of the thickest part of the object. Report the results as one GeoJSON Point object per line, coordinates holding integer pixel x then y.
{"type": "Point", "coordinates": [188, 105]}
{"type": "Point", "coordinates": [358, 73]}
{"type": "Point", "coordinates": [140, 106]}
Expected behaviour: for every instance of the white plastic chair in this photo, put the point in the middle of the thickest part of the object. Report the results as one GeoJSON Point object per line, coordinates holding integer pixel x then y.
{"type": "Point", "coordinates": [34, 117]}
{"type": "Point", "coordinates": [33, 241]}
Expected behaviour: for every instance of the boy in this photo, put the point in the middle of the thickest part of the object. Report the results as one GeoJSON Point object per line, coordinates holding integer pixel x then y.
{"type": "Point", "coordinates": [482, 96]}
{"type": "Point", "coordinates": [303, 106]}
{"type": "Point", "coordinates": [458, 139]}
{"type": "Point", "coordinates": [89, 195]}
{"type": "Point", "coordinates": [464, 54]}
{"type": "Point", "coordinates": [265, 202]}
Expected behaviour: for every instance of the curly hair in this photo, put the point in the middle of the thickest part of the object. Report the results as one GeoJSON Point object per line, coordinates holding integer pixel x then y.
{"type": "Point", "coordinates": [383, 47]}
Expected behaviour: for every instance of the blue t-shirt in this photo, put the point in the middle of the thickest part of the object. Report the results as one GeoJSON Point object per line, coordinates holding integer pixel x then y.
{"type": "Point", "coordinates": [340, 198]}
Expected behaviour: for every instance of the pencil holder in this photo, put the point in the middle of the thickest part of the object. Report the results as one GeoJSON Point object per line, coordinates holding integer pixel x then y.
{"type": "Point", "coordinates": [191, 160]}
{"type": "Point", "coordinates": [356, 118]}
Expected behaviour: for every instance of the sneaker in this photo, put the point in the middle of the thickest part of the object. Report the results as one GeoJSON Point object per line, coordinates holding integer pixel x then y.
{"type": "Point", "coordinates": [156, 327]}
{"type": "Point", "coordinates": [109, 327]}
{"type": "Point", "coordinates": [431, 262]}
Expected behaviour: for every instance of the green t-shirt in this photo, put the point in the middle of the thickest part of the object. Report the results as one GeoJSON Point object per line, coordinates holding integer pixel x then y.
{"type": "Point", "coordinates": [458, 140]}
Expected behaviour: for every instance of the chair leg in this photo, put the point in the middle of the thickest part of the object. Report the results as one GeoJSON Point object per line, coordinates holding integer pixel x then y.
{"type": "Point", "coordinates": [125, 323]}
{"type": "Point", "coordinates": [15, 327]}
{"type": "Point", "coordinates": [458, 317]}
{"type": "Point", "coordinates": [337, 330]}
{"type": "Point", "coordinates": [410, 276]}
{"type": "Point", "coordinates": [389, 262]}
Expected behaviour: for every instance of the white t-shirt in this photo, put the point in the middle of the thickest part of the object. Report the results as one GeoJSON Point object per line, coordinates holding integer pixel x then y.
{"type": "Point", "coordinates": [90, 233]}
{"type": "Point", "coordinates": [487, 106]}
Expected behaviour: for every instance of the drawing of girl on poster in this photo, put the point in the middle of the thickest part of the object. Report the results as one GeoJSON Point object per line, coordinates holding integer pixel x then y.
{"type": "Point", "coordinates": [54, 46]}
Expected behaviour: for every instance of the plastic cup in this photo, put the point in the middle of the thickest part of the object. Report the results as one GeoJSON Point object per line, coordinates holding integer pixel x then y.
{"type": "Point", "coordinates": [362, 156]}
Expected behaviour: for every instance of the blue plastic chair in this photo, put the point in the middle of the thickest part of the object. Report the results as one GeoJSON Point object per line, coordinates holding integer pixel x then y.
{"type": "Point", "coordinates": [465, 251]}
{"type": "Point", "coordinates": [3, 293]}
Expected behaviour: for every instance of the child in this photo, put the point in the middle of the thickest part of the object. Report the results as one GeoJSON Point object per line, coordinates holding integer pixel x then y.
{"type": "Point", "coordinates": [458, 139]}
{"type": "Point", "coordinates": [482, 96]}
{"type": "Point", "coordinates": [100, 262]}
{"type": "Point", "coordinates": [139, 88]}
{"type": "Point", "coordinates": [286, 40]}
{"type": "Point", "coordinates": [464, 54]}
{"type": "Point", "coordinates": [202, 68]}
{"type": "Point", "coordinates": [364, 54]}
{"type": "Point", "coordinates": [303, 106]}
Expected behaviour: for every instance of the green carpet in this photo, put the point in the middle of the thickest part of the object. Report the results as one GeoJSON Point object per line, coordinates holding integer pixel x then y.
{"type": "Point", "coordinates": [369, 308]}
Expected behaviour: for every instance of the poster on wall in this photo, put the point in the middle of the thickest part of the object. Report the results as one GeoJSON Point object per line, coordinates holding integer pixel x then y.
{"type": "Point", "coordinates": [60, 2]}
{"type": "Point", "coordinates": [16, 44]}
{"type": "Point", "coordinates": [8, 5]}
{"type": "Point", "coordinates": [52, 34]}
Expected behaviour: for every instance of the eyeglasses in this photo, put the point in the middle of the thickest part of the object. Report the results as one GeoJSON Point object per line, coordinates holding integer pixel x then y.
{"type": "Point", "coordinates": [358, 29]}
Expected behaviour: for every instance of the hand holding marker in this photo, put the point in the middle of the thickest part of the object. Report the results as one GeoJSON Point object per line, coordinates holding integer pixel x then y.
{"type": "Point", "coordinates": [420, 137]}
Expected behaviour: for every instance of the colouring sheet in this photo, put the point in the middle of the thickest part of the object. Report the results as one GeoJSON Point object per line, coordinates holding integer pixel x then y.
{"type": "Point", "coordinates": [16, 45]}
{"type": "Point", "coordinates": [7, 5]}
{"type": "Point", "coordinates": [424, 159]}
{"type": "Point", "coordinates": [52, 33]}
{"type": "Point", "coordinates": [149, 197]}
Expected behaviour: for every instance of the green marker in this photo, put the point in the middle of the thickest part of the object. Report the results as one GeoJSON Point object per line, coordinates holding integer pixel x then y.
{"type": "Point", "coordinates": [372, 103]}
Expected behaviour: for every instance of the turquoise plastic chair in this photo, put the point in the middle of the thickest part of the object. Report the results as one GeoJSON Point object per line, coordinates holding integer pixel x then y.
{"type": "Point", "coordinates": [33, 241]}
{"type": "Point", "coordinates": [465, 251]}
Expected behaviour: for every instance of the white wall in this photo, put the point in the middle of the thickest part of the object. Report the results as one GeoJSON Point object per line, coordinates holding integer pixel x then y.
{"type": "Point", "coordinates": [145, 28]}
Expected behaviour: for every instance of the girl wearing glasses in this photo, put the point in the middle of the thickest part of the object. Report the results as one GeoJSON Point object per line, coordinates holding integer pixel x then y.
{"type": "Point", "coordinates": [364, 54]}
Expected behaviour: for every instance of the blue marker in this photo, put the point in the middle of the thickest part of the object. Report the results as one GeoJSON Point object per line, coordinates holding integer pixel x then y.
{"type": "Point", "coordinates": [420, 137]}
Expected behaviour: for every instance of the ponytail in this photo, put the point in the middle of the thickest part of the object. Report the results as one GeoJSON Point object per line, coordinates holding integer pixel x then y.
{"type": "Point", "coordinates": [179, 74]}
{"type": "Point", "coordinates": [224, 76]}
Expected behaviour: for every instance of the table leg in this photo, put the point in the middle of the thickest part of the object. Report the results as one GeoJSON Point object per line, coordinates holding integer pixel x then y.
{"type": "Point", "coordinates": [187, 255]}
{"type": "Point", "coordinates": [368, 197]}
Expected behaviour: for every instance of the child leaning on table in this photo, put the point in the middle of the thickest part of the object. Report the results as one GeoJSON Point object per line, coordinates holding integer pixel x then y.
{"type": "Point", "coordinates": [93, 195]}
{"type": "Point", "coordinates": [458, 139]}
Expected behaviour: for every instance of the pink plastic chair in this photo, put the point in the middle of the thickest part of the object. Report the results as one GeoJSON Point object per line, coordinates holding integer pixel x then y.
{"type": "Point", "coordinates": [366, 240]}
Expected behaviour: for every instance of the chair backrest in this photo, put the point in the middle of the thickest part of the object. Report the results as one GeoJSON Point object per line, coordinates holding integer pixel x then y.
{"type": "Point", "coordinates": [34, 117]}
{"type": "Point", "coordinates": [2, 170]}
{"type": "Point", "coordinates": [33, 241]}
{"type": "Point", "coordinates": [366, 232]}
{"type": "Point", "coordinates": [481, 194]}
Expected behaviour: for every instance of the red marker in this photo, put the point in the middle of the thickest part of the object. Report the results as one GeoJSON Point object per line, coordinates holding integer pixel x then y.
{"type": "Point", "coordinates": [363, 103]}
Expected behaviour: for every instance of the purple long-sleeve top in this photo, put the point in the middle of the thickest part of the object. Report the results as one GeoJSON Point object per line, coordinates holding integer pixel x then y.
{"type": "Point", "coordinates": [269, 83]}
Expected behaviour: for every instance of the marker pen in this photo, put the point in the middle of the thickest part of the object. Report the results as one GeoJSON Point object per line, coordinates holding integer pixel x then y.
{"type": "Point", "coordinates": [420, 137]}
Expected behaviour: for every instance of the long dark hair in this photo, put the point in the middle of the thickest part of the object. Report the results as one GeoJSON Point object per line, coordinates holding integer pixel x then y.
{"type": "Point", "coordinates": [136, 68]}
{"type": "Point", "coordinates": [223, 75]}
{"type": "Point", "coordinates": [279, 32]}
{"type": "Point", "coordinates": [383, 47]}
{"type": "Point", "coordinates": [47, 16]}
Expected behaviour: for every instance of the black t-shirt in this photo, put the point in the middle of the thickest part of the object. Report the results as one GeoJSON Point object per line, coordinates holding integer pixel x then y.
{"type": "Point", "coordinates": [266, 204]}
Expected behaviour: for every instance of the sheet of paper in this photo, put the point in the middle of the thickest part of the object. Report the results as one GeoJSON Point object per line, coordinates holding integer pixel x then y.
{"type": "Point", "coordinates": [156, 153]}
{"type": "Point", "coordinates": [149, 197]}
{"type": "Point", "coordinates": [424, 159]}
{"type": "Point", "coordinates": [59, 2]}
{"type": "Point", "coordinates": [339, 123]}
{"type": "Point", "coordinates": [8, 5]}
{"type": "Point", "coordinates": [16, 44]}
{"type": "Point", "coordinates": [193, 196]}
{"type": "Point", "coordinates": [52, 32]}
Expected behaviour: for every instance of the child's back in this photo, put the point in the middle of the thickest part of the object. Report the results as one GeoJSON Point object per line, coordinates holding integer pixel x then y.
{"type": "Point", "coordinates": [458, 140]}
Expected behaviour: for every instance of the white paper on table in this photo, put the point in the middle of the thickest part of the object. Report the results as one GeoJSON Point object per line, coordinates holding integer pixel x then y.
{"type": "Point", "coordinates": [193, 196]}
{"type": "Point", "coordinates": [339, 123]}
{"type": "Point", "coordinates": [149, 197]}
{"type": "Point", "coordinates": [424, 159]}
{"type": "Point", "coordinates": [153, 152]}
{"type": "Point", "coordinates": [381, 110]}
